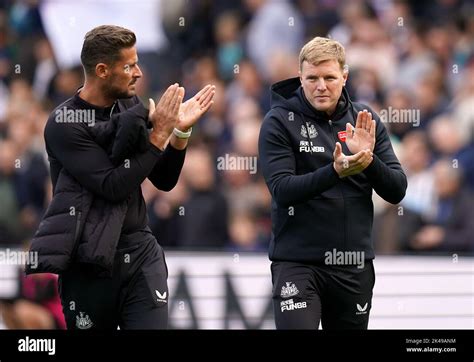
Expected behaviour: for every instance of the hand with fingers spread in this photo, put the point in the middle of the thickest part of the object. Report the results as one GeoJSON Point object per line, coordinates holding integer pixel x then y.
{"type": "Point", "coordinates": [363, 135]}
{"type": "Point", "coordinates": [194, 108]}
{"type": "Point", "coordinates": [164, 115]}
{"type": "Point", "coordinates": [350, 165]}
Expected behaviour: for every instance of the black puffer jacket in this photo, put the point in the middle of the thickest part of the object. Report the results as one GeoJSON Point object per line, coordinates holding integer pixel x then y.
{"type": "Point", "coordinates": [80, 226]}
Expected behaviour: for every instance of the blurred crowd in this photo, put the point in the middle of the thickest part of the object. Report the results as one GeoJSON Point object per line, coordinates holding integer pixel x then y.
{"type": "Point", "coordinates": [415, 56]}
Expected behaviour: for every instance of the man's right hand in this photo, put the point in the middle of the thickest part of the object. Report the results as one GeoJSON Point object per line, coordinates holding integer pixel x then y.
{"type": "Point", "coordinates": [350, 165]}
{"type": "Point", "coordinates": [165, 115]}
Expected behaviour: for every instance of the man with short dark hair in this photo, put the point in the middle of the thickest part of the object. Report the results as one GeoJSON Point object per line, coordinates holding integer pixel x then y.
{"type": "Point", "coordinates": [132, 293]}
{"type": "Point", "coordinates": [321, 156]}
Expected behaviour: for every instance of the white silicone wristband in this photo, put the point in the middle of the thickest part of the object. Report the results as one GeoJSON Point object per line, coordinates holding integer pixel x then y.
{"type": "Point", "coordinates": [181, 134]}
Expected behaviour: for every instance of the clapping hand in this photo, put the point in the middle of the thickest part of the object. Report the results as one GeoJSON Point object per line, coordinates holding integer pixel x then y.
{"type": "Point", "coordinates": [194, 108]}
{"type": "Point", "coordinates": [362, 137]}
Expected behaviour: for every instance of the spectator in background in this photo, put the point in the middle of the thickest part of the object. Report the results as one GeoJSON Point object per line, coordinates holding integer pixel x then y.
{"type": "Point", "coordinates": [399, 99]}
{"type": "Point", "coordinates": [244, 233]}
{"type": "Point", "coordinates": [248, 84]}
{"type": "Point", "coordinates": [429, 100]}
{"type": "Point", "coordinates": [452, 227]}
{"type": "Point", "coordinates": [205, 221]}
{"type": "Point", "coordinates": [32, 170]}
{"type": "Point", "coordinates": [395, 224]}
{"type": "Point", "coordinates": [23, 184]}
{"type": "Point", "coordinates": [420, 195]}
{"type": "Point", "coordinates": [281, 65]}
{"type": "Point", "coordinates": [24, 30]}
{"type": "Point", "coordinates": [11, 230]}
{"type": "Point", "coordinates": [45, 67]}
{"type": "Point", "coordinates": [229, 49]}
{"type": "Point", "coordinates": [463, 111]}
{"type": "Point", "coordinates": [21, 100]}
{"type": "Point", "coordinates": [370, 41]}
{"type": "Point", "coordinates": [439, 41]}
{"type": "Point", "coordinates": [275, 27]}
{"type": "Point", "coordinates": [319, 16]}
{"type": "Point", "coordinates": [349, 16]}
{"type": "Point", "coordinates": [448, 142]}
{"type": "Point", "coordinates": [65, 83]}
{"type": "Point", "coordinates": [367, 87]}
{"type": "Point", "coordinates": [416, 62]}
{"type": "Point", "coordinates": [165, 211]}
{"type": "Point", "coordinates": [214, 129]}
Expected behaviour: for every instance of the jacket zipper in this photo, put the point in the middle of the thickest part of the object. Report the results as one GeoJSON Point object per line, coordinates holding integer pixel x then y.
{"type": "Point", "coordinates": [112, 109]}
{"type": "Point", "coordinates": [340, 188]}
{"type": "Point", "coordinates": [76, 234]}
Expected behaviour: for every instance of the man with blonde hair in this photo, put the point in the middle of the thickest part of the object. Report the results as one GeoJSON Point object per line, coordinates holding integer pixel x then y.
{"type": "Point", "coordinates": [321, 156]}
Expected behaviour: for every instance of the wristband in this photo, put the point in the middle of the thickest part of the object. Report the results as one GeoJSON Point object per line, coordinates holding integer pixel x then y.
{"type": "Point", "coordinates": [181, 134]}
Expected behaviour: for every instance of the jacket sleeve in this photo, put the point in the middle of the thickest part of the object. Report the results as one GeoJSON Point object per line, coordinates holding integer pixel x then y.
{"type": "Point", "coordinates": [73, 146]}
{"type": "Point", "coordinates": [385, 172]}
{"type": "Point", "coordinates": [165, 174]}
{"type": "Point", "coordinates": [278, 164]}
{"type": "Point", "coordinates": [131, 137]}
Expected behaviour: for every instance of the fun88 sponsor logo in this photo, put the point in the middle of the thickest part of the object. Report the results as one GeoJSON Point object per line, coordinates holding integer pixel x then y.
{"type": "Point", "coordinates": [290, 305]}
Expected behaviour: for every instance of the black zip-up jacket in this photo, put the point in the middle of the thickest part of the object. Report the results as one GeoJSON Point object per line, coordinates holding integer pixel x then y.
{"type": "Point", "coordinates": [74, 147]}
{"type": "Point", "coordinates": [97, 196]}
{"type": "Point", "coordinates": [313, 210]}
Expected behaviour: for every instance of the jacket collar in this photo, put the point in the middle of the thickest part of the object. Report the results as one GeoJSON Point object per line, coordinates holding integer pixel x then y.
{"type": "Point", "coordinates": [101, 112]}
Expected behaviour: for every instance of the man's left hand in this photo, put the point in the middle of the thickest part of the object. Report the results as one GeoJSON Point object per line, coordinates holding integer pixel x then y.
{"type": "Point", "coordinates": [363, 135]}
{"type": "Point", "coordinates": [194, 108]}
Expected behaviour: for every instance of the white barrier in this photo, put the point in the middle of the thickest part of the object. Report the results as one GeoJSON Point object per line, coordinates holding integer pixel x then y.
{"type": "Point", "coordinates": [233, 290]}
{"type": "Point", "coordinates": [229, 290]}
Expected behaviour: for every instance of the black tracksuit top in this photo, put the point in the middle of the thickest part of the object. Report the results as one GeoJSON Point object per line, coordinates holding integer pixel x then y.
{"type": "Point", "coordinates": [313, 210]}
{"type": "Point", "coordinates": [72, 146]}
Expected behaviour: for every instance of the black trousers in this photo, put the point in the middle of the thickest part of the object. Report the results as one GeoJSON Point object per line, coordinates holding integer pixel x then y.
{"type": "Point", "coordinates": [135, 297]}
{"type": "Point", "coordinates": [340, 297]}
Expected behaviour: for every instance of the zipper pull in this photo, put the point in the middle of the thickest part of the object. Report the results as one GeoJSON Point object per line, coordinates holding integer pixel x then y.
{"type": "Point", "coordinates": [112, 109]}
{"type": "Point", "coordinates": [332, 130]}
